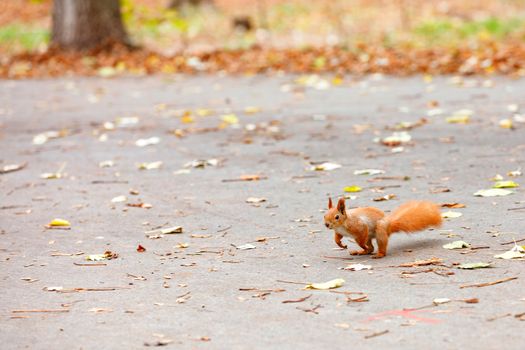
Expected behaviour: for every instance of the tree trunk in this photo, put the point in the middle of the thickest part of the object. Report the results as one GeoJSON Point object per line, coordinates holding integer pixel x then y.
{"type": "Point", "coordinates": [87, 24]}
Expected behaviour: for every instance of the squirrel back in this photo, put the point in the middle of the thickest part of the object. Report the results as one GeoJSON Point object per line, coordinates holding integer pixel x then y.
{"type": "Point", "coordinates": [412, 217]}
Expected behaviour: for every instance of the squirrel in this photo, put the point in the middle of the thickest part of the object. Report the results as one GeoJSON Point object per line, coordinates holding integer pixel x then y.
{"type": "Point", "coordinates": [366, 223]}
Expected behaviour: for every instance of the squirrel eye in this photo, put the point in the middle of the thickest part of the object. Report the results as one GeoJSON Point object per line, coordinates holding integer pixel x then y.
{"type": "Point", "coordinates": [337, 217]}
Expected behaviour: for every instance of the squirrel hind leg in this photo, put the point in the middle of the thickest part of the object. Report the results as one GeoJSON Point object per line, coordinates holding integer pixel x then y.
{"type": "Point", "coordinates": [382, 241]}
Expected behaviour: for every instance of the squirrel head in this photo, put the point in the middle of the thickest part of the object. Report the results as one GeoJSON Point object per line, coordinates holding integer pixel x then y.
{"type": "Point", "coordinates": [335, 217]}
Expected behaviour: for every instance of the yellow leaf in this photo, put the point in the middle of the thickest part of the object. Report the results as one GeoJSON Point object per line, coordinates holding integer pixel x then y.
{"type": "Point", "coordinates": [352, 189]}
{"type": "Point", "coordinates": [96, 257]}
{"type": "Point", "coordinates": [505, 184]}
{"type": "Point", "coordinates": [458, 119]}
{"type": "Point", "coordinates": [338, 282]}
{"type": "Point", "coordinates": [230, 119]}
{"type": "Point", "coordinates": [187, 118]}
{"type": "Point", "coordinates": [204, 112]}
{"type": "Point", "coordinates": [149, 166]}
{"type": "Point", "coordinates": [506, 123]}
{"type": "Point", "coordinates": [49, 176]}
{"type": "Point", "coordinates": [337, 80]}
{"type": "Point", "coordinates": [251, 110]}
{"type": "Point", "coordinates": [107, 72]}
{"type": "Point", "coordinates": [59, 222]}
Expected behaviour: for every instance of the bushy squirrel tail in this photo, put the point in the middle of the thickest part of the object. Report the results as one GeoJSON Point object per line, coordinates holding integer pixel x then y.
{"type": "Point", "coordinates": [412, 217]}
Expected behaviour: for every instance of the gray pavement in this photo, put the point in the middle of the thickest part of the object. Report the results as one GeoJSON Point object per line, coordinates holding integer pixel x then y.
{"type": "Point", "coordinates": [185, 290]}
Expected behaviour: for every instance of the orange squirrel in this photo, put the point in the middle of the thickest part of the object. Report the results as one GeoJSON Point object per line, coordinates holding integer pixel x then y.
{"type": "Point", "coordinates": [366, 223]}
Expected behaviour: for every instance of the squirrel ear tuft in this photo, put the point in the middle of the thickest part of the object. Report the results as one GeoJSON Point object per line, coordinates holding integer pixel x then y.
{"type": "Point", "coordinates": [341, 206]}
{"type": "Point", "coordinates": [330, 205]}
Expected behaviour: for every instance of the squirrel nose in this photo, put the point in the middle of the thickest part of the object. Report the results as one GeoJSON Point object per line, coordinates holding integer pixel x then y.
{"type": "Point", "coordinates": [327, 226]}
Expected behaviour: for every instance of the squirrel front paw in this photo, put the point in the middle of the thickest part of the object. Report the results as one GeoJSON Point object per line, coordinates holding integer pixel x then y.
{"type": "Point", "coordinates": [358, 252]}
{"type": "Point", "coordinates": [378, 256]}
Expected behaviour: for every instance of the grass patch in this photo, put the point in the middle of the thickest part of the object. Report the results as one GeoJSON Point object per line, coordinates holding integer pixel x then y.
{"type": "Point", "coordinates": [20, 37]}
{"type": "Point", "coordinates": [452, 31]}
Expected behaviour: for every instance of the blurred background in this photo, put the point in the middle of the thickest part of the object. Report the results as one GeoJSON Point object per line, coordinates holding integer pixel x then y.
{"type": "Point", "coordinates": [168, 26]}
{"type": "Point", "coordinates": [175, 27]}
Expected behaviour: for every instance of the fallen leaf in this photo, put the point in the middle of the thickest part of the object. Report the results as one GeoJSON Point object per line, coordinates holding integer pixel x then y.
{"type": "Point", "coordinates": [506, 123]}
{"type": "Point", "coordinates": [95, 257]}
{"type": "Point", "coordinates": [255, 200]}
{"type": "Point", "coordinates": [108, 255]}
{"type": "Point", "coordinates": [106, 164]}
{"type": "Point", "coordinates": [119, 199]}
{"type": "Point", "coordinates": [158, 342]}
{"type": "Point", "coordinates": [357, 267]}
{"type": "Point", "coordinates": [140, 205]}
{"type": "Point", "coordinates": [384, 198]}
{"type": "Point", "coordinates": [166, 231]}
{"type": "Point", "coordinates": [471, 301]}
{"type": "Point", "coordinates": [204, 112]}
{"type": "Point", "coordinates": [336, 283]}
{"type": "Point", "coordinates": [9, 168]}
{"type": "Point", "coordinates": [202, 163]}
{"type": "Point", "coordinates": [515, 253]}
{"type": "Point", "coordinates": [439, 301]}
{"type": "Point", "coordinates": [107, 72]}
{"type": "Point", "coordinates": [505, 184]}
{"type": "Point", "coordinates": [59, 223]}
{"type": "Point", "coordinates": [149, 166]}
{"type": "Point", "coordinates": [492, 192]}
{"type": "Point", "coordinates": [327, 166]}
{"type": "Point", "coordinates": [42, 138]}
{"type": "Point", "coordinates": [457, 245]}
{"type": "Point", "coordinates": [451, 214]}
{"type": "Point", "coordinates": [125, 122]}
{"type": "Point", "coordinates": [147, 142]}
{"type": "Point", "coordinates": [472, 266]}
{"type": "Point", "coordinates": [251, 110]}
{"type": "Point", "coordinates": [351, 189]}
{"type": "Point", "coordinates": [498, 177]}
{"type": "Point", "coordinates": [141, 249]}
{"type": "Point", "coordinates": [369, 172]}
{"type": "Point", "coordinates": [515, 173]}
{"type": "Point", "coordinates": [453, 205]}
{"type": "Point", "coordinates": [342, 325]}
{"type": "Point", "coordinates": [396, 139]}
{"type": "Point", "coordinates": [50, 176]}
{"type": "Point", "coordinates": [53, 289]}
{"type": "Point", "coordinates": [439, 190]}
{"type": "Point", "coordinates": [230, 119]}
{"type": "Point", "coordinates": [246, 246]}
{"type": "Point", "coordinates": [461, 116]}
